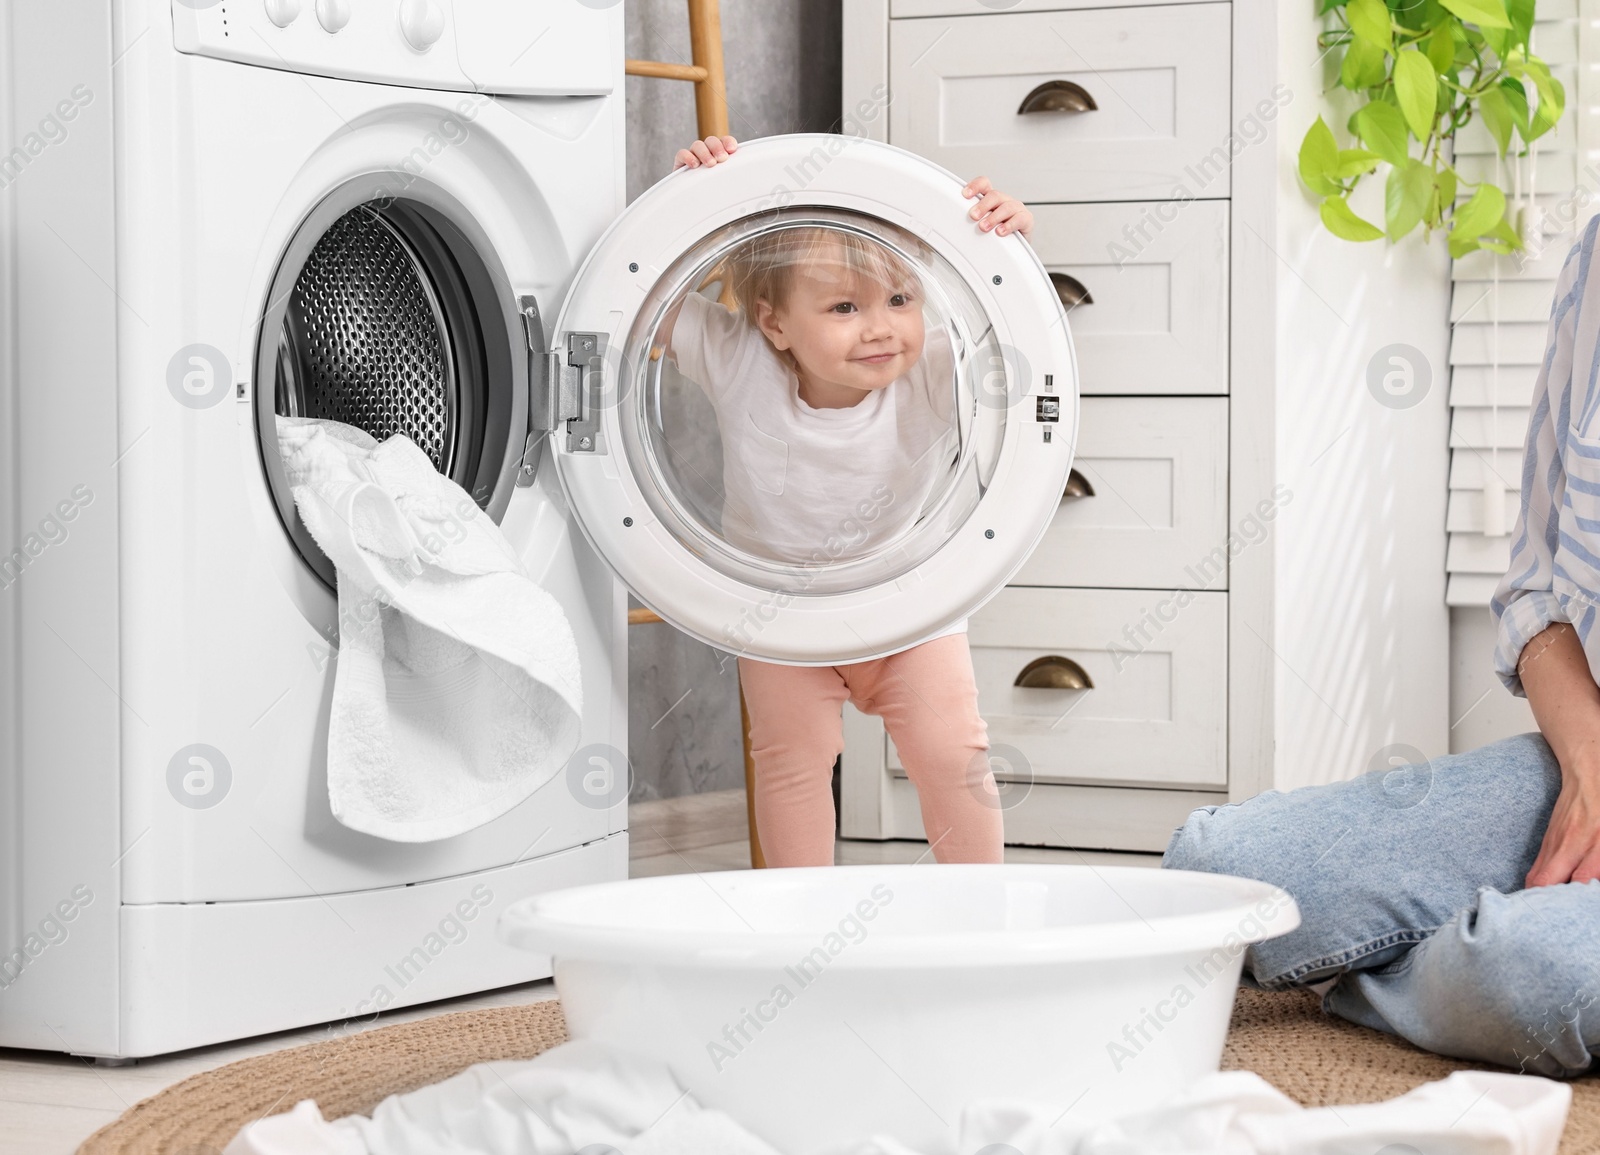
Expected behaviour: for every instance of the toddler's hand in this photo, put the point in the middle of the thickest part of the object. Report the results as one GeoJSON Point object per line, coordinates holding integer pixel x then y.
{"type": "Point", "coordinates": [995, 210]}
{"type": "Point", "coordinates": [711, 150]}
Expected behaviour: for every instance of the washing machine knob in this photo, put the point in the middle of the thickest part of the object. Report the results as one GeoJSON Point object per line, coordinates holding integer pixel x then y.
{"type": "Point", "coordinates": [333, 14]}
{"type": "Point", "coordinates": [283, 12]}
{"type": "Point", "coordinates": [421, 22]}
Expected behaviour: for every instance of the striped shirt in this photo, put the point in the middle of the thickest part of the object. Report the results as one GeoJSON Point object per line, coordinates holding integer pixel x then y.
{"type": "Point", "coordinates": [1555, 556]}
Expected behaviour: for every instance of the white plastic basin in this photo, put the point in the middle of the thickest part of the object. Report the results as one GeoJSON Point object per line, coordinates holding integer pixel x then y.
{"type": "Point", "coordinates": [828, 1003]}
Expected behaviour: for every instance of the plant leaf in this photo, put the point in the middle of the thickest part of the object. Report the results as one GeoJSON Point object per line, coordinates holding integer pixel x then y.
{"type": "Point", "coordinates": [1502, 238]}
{"type": "Point", "coordinates": [1411, 14]}
{"type": "Point", "coordinates": [1405, 197]}
{"type": "Point", "coordinates": [1520, 13]}
{"type": "Point", "coordinates": [1356, 162]}
{"type": "Point", "coordinates": [1517, 102]}
{"type": "Point", "coordinates": [1552, 99]}
{"type": "Point", "coordinates": [1483, 210]}
{"type": "Point", "coordinates": [1326, 6]}
{"type": "Point", "coordinates": [1342, 221]}
{"type": "Point", "coordinates": [1416, 86]}
{"type": "Point", "coordinates": [1445, 181]}
{"type": "Point", "coordinates": [1369, 20]}
{"type": "Point", "coordinates": [1440, 48]}
{"type": "Point", "coordinates": [1382, 129]}
{"type": "Point", "coordinates": [1362, 67]}
{"type": "Point", "coordinates": [1483, 13]}
{"type": "Point", "coordinates": [1442, 198]}
{"type": "Point", "coordinates": [1496, 116]}
{"type": "Point", "coordinates": [1319, 159]}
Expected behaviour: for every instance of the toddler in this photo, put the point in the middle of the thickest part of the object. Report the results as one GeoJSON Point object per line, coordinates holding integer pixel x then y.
{"type": "Point", "coordinates": [831, 396]}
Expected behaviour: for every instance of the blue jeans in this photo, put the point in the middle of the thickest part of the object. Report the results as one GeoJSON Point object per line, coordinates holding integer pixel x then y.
{"type": "Point", "coordinates": [1410, 887]}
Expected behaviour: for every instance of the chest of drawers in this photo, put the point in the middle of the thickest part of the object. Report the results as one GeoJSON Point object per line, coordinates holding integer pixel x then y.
{"type": "Point", "coordinates": [1133, 669]}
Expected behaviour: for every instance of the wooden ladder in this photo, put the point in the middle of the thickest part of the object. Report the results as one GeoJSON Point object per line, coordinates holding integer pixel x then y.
{"type": "Point", "coordinates": [705, 49]}
{"type": "Point", "coordinates": [711, 115]}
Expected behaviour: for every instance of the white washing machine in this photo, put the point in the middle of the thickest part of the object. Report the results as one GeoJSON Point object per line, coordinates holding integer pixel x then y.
{"type": "Point", "coordinates": [186, 257]}
{"type": "Point", "coordinates": [389, 212]}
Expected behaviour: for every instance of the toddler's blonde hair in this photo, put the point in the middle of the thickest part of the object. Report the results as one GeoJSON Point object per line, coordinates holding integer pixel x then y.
{"type": "Point", "coordinates": [763, 267]}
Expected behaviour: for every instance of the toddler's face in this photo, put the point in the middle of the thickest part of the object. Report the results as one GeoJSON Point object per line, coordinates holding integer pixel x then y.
{"type": "Point", "coordinates": [846, 326]}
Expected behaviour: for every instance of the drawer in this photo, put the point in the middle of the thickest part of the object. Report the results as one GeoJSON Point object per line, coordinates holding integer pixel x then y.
{"type": "Point", "coordinates": [1158, 77]}
{"type": "Point", "coordinates": [1157, 712]}
{"type": "Point", "coordinates": [1156, 317]}
{"type": "Point", "coordinates": [1158, 514]}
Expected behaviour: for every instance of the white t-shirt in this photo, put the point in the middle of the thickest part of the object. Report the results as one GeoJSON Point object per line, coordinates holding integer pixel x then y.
{"type": "Point", "coordinates": [818, 486]}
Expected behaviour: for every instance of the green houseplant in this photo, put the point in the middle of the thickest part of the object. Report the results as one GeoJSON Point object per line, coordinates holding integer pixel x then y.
{"type": "Point", "coordinates": [1421, 70]}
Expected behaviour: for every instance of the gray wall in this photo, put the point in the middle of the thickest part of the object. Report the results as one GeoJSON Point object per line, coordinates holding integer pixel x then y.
{"type": "Point", "coordinates": [782, 62]}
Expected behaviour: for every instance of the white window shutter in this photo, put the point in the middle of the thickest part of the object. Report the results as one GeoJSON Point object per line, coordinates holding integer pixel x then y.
{"type": "Point", "coordinates": [1500, 306]}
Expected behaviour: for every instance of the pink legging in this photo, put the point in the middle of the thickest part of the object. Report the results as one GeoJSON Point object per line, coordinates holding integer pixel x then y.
{"type": "Point", "coordinates": [928, 701]}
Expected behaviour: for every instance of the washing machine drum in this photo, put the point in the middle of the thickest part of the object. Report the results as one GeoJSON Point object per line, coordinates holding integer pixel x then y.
{"type": "Point", "coordinates": [365, 339]}
{"type": "Point", "coordinates": [385, 320]}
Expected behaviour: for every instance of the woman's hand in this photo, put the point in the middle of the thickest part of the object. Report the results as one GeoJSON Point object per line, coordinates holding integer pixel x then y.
{"type": "Point", "coordinates": [711, 150]}
{"type": "Point", "coordinates": [995, 210]}
{"type": "Point", "coordinates": [1566, 703]}
{"type": "Point", "coordinates": [1571, 848]}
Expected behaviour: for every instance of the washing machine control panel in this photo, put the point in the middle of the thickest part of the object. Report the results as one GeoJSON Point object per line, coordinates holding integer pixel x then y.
{"type": "Point", "coordinates": [500, 46]}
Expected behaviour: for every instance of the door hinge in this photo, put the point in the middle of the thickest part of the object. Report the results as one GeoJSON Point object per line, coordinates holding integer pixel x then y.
{"type": "Point", "coordinates": [583, 380]}
{"type": "Point", "coordinates": [539, 419]}
{"type": "Point", "coordinates": [565, 388]}
{"type": "Point", "coordinates": [544, 372]}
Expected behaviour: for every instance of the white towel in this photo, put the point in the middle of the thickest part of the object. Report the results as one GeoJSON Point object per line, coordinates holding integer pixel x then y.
{"type": "Point", "coordinates": [457, 690]}
{"type": "Point", "coordinates": [587, 1097]}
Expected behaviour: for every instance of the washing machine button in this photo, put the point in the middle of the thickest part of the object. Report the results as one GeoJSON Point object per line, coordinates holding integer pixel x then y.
{"type": "Point", "coordinates": [421, 22]}
{"type": "Point", "coordinates": [333, 14]}
{"type": "Point", "coordinates": [283, 12]}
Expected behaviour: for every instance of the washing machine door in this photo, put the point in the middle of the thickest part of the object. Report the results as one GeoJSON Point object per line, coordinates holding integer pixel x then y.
{"type": "Point", "coordinates": [803, 406]}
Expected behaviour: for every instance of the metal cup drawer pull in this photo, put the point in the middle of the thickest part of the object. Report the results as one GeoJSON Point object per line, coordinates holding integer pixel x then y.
{"type": "Point", "coordinates": [1058, 96]}
{"type": "Point", "coordinates": [1077, 486]}
{"type": "Point", "coordinates": [1053, 672]}
{"type": "Point", "coordinates": [1072, 291]}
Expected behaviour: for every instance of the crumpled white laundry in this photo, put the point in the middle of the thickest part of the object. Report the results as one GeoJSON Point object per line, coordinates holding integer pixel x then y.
{"type": "Point", "coordinates": [590, 1098]}
{"type": "Point", "coordinates": [457, 691]}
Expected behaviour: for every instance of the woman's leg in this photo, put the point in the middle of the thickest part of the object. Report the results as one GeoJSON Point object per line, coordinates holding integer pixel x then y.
{"type": "Point", "coordinates": [1379, 863]}
{"type": "Point", "coordinates": [929, 703]}
{"type": "Point", "coordinates": [795, 734]}
{"type": "Point", "coordinates": [1514, 979]}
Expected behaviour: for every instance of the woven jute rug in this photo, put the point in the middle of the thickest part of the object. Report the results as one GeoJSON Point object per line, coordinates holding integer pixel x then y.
{"type": "Point", "coordinates": [1314, 1059]}
{"type": "Point", "coordinates": [1321, 1061]}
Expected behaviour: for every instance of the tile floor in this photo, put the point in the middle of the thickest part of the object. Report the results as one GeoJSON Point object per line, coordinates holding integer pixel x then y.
{"type": "Point", "coordinates": [49, 1103]}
